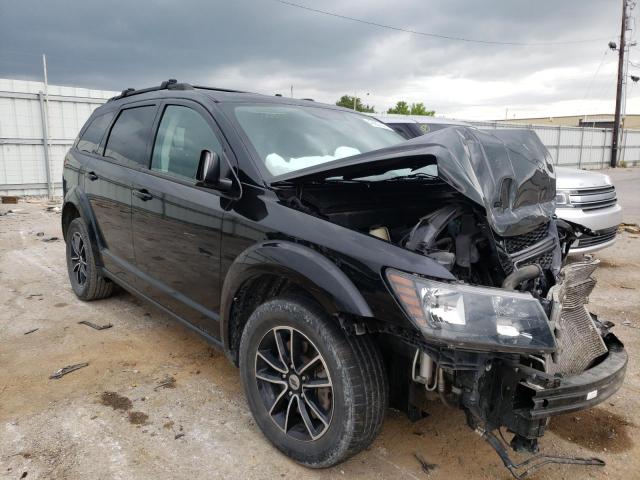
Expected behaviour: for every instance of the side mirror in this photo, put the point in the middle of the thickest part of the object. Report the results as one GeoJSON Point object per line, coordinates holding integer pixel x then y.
{"type": "Point", "coordinates": [208, 174]}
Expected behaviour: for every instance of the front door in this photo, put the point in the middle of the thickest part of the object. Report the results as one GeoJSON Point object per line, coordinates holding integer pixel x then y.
{"type": "Point", "coordinates": [176, 225]}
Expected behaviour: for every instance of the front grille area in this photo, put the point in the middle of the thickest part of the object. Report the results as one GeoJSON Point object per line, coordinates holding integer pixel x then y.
{"type": "Point", "coordinates": [514, 245]}
{"type": "Point", "coordinates": [601, 236]}
{"type": "Point", "coordinates": [520, 242]}
{"type": "Point", "coordinates": [593, 198]}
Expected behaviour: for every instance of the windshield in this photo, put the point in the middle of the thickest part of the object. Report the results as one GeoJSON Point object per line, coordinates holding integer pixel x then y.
{"type": "Point", "coordinates": [290, 137]}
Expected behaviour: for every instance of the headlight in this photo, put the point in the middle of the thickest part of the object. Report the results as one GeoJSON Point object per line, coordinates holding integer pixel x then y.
{"type": "Point", "coordinates": [563, 199]}
{"type": "Point", "coordinates": [473, 317]}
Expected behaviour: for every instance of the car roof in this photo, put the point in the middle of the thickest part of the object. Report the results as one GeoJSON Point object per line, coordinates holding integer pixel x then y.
{"type": "Point", "coordinates": [173, 89]}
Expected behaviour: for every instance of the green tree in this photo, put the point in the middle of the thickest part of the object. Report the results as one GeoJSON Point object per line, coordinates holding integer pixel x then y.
{"type": "Point", "coordinates": [346, 101]}
{"type": "Point", "coordinates": [403, 108]}
{"type": "Point", "coordinates": [420, 109]}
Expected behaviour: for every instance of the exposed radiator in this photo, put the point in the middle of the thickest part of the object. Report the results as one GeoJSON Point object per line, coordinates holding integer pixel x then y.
{"type": "Point", "coordinates": [577, 337]}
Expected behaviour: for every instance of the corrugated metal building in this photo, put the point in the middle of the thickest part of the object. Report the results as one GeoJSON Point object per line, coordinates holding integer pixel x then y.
{"type": "Point", "coordinates": [23, 110]}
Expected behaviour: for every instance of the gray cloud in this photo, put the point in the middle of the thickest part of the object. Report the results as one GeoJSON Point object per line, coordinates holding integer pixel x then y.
{"type": "Point", "coordinates": [264, 46]}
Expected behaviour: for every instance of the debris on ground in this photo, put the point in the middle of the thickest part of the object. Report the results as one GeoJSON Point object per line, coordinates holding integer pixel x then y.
{"type": "Point", "coordinates": [626, 287]}
{"type": "Point", "coordinates": [68, 369]}
{"type": "Point", "coordinates": [115, 401]}
{"type": "Point", "coordinates": [178, 435]}
{"type": "Point", "coordinates": [40, 234]}
{"type": "Point", "coordinates": [50, 239]}
{"type": "Point", "coordinates": [31, 331]}
{"type": "Point", "coordinates": [169, 382]}
{"type": "Point", "coordinates": [138, 418]}
{"type": "Point", "coordinates": [33, 295]}
{"type": "Point", "coordinates": [629, 228]}
{"type": "Point", "coordinates": [426, 466]}
{"type": "Point", "coordinates": [10, 199]}
{"type": "Point", "coordinates": [95, 326]}
{"type": "Point", "coordinates": [53, 208]}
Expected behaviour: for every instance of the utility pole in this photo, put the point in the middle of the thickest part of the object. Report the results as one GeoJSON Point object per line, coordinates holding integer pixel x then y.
{"type": "Point", "coordinates": [44, 107]}
{"type": "Point", "coordinates": [616, 120]}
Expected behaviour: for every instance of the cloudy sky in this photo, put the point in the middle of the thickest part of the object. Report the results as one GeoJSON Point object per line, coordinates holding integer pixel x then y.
{"type": "Point", "coordinates": [267, 46]}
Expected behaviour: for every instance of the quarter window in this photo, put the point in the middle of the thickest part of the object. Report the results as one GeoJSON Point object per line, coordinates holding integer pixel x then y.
{"type": "Point", "coordinates": [130, 134]}
{"type": "Point", "coordinates": [182, 135]}
{"type": "Point", "coordinates": [91, 137]}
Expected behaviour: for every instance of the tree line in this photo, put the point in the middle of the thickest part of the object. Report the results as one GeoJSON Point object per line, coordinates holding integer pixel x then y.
{"type": "Point", "coordinates": [401, 107]}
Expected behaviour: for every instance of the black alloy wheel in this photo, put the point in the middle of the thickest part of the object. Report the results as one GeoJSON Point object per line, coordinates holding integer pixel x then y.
{"type": "Point", "coordinates": [294, 383]}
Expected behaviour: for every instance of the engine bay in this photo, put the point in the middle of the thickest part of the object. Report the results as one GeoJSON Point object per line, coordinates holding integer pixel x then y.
{"type": "Point", "coordinates": [431, 218]}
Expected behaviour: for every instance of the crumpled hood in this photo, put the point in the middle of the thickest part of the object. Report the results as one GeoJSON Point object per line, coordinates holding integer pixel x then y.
{"type": "Point", "coordinates": [508, 172]}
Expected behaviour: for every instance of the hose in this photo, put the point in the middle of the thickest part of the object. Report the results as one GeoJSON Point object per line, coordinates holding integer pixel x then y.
{"type": "Point", "coordinates": [528, 272]}
{"type": "Point", "coordinates": [442, 388]}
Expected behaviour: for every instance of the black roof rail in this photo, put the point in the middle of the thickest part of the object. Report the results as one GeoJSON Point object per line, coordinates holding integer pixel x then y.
{"type": "Point", "coordinates": [171, 84]}
{"type": "Point", "coordinates": [228, 90]}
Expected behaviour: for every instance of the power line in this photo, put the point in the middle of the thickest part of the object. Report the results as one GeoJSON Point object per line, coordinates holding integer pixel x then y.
{"type": "Point", "coordinates": [586, 95]}
{"type": "Point", "coordinates": [437, 35]}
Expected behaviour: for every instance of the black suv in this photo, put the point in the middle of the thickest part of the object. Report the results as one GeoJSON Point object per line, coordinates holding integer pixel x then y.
{"type": "Point", "coordinates": [341, 267]}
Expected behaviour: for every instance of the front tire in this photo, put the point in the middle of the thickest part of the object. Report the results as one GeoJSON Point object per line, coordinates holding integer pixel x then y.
{"type": "Point", "coordinates": [318, 394]}
{"type": "Point", "coordinates": [84, 276]}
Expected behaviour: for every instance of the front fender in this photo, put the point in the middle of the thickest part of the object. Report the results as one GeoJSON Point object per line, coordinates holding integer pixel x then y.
{"type": "Point", "coordinates": [303, 266]}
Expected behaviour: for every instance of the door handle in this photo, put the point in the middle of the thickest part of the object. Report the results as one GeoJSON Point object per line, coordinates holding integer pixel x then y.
{"type": "Point", "coordinates": [143, 194]}
{"type": "Point", "coordinates": [92, 176]}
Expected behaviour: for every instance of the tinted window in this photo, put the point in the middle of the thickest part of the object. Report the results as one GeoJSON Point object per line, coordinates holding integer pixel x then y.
{"type": "Point", "coordinates": [129, 135]}
{"type": "Point", "coordinates": [182, 135]}
{"type": "Point", "coordinates": [91, 137]}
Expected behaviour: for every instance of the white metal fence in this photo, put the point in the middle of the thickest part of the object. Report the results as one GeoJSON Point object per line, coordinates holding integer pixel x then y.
{"type": "Point", "coordinates": [27, 125]}
{"type": "Point", "coordinates": [27, 121]}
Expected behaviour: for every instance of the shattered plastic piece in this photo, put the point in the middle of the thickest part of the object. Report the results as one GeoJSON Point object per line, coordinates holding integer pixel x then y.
{"type": "Point", "coordinates": [95, 326]}
{"type": "Point", "coordinates": [68, 369]}
{"type": "Point", "coordinates": [31, 331]}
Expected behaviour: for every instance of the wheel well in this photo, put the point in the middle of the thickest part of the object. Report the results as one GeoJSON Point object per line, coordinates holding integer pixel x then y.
{"type": "Point", "coordinates": [69, 213]}
{"type": "Point", "coordinates": [252, 294]}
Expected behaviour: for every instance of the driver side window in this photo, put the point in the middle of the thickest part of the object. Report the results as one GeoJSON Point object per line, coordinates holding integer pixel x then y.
{"type": "Point", "coordinates": [182, 135]}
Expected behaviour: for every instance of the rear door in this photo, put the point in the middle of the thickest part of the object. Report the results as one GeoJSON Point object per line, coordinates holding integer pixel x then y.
{"type": "Point", "coordinates": [176, 225]}
{"type": "Point", "coordinates": [107, 182]}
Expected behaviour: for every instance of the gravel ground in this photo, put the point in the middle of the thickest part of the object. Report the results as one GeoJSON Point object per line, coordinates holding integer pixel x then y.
{"type": "Point", "coordinates": [157, 402]}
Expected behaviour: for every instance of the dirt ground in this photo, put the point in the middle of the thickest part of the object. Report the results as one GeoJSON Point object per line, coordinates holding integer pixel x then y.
{"type": "Point", "coordinates": [156, 402]}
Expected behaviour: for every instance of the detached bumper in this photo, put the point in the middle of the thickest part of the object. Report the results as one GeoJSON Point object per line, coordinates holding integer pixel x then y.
{"type": "Point", "coordinates": [584, 390]}
{"type": "Point", "coordinates": [523, 398]}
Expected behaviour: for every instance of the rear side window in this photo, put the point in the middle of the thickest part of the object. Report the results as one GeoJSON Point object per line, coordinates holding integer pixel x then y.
{"type": "Point", "coordinates": [182, 135]}
{"type": "Point", "coordinates": [91, 137]}
{"type": "Point", "coordinates": [130, 134]}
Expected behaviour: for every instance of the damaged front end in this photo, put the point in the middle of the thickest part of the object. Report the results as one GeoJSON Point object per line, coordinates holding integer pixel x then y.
{"type": "Point", "coordinates": [521, 392]}
{"type": "Point", "coordinates": [509, 340]}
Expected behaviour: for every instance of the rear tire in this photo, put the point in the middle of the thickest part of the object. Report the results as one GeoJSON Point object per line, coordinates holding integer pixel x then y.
{"type": "Point", "coordinates": [86, 280]}
{"type": "Point", "coordinates": [341, 419]}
